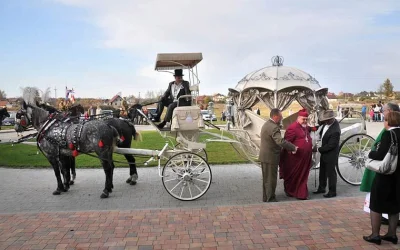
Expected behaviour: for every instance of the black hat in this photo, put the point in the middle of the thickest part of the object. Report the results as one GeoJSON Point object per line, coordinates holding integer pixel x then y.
{"type": "Point", "coordinates": [178, 72]}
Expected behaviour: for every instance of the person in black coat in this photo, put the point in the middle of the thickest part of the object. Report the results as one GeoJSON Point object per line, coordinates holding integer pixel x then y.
{"type": "Point", "coordinates": [170, 98]}
{"type": "Point", "coordinates": [330, 134]}
{"type": "Point", "coordinates": [385, 190]}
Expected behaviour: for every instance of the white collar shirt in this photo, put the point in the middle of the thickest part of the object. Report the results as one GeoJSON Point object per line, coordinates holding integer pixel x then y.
{"type": "Point", "coordinates": [175, 90]}
{"type": "Point", "coordinates": [326, 127]}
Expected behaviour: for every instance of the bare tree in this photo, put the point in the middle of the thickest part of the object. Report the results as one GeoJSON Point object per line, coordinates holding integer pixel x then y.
{"type": "Point", "coordinates": [2, 94]}
{"type": "Point", "coordinates": [149, 94]}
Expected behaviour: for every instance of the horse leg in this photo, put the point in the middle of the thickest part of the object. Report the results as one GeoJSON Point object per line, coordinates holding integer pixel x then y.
{"type": "Point", "coordinates": [112, 176]}
{"type": "Point", "coordinates": [65, 170]}
{"type": "Point", "coordinates": [133, 176]}
{"type": "Point", "coordinates": [108, 169]}
{"type": "Point", "coordinates": [56, 167]}
{"type": "Point", "coordinates": [73, 171]}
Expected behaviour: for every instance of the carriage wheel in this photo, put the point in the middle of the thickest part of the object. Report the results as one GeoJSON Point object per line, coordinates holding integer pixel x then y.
{"type": "Point", "coordinates": [202, 152]}
{"type": "Point", "coordinates": [353, 155]}
{"type": "Point", "coordinates": [186, 176]}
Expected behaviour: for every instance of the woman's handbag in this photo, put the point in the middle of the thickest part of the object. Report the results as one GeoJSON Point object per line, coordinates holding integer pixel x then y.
{"type": "Point", "coordinates": [389, 164]}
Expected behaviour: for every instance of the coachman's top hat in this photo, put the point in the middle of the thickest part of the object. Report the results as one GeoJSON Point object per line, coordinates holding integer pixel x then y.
{"type": "Point", "coordinates": [178, 72]}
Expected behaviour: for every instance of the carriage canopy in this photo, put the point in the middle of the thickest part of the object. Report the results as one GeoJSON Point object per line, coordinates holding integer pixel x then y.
{"type": "Point", "coordinates": [171, 61]}
{"type": "Point", "coordinates": [277, 86]}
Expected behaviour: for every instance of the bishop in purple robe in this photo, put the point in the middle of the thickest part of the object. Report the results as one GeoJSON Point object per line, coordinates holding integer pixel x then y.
{"type": "Point", "coordinates": [295, 167]}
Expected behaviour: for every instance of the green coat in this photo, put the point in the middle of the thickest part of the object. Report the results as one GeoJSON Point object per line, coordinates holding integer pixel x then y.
{"type": "Point", "coordinates": [369, 175]}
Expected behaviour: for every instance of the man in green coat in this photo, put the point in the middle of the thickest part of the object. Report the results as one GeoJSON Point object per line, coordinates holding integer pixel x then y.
{"type": "Point", "coordinates": [369, 175]}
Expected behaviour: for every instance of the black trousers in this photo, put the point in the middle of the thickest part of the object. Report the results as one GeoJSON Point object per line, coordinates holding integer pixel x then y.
{"type": "Point", "coordinates": [171, 105]}
{"type": "Point", "coordinates": [327, 173]}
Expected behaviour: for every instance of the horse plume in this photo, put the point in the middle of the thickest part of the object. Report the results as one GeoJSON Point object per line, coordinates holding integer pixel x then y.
{"type": "Point", "coordinates": [46, 95]}
{"type": "Point", "coordinates": [29, 94]}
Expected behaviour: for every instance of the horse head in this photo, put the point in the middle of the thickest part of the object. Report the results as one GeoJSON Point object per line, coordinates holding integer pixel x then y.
{"type": "Point", "coordinates": [76, 110]}
{"type": "Point", "coordinates": [36, 115]}
{"type": "Point", "coordinates": [4, 112]}
{"type": "Point", "coordinates": [132, 111]}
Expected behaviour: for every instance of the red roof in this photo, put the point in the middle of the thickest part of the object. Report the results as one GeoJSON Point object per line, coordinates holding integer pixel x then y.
{"type": "Point", "coordinates": [3, 103]}
{"type": "Point", "coordinates": [114, 98]}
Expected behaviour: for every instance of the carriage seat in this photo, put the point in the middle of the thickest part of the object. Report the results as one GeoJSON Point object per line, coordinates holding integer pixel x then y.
{"type": "Point", "coordinates": [187, 118]}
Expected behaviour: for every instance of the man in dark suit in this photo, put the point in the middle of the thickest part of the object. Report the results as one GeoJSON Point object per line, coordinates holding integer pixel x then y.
{"type": "Point", "coordinates": [170, 98]}
{"type": "Point", "coordinates": [330, 134]}
{"type": "Point", "coordinates": [270, 149]}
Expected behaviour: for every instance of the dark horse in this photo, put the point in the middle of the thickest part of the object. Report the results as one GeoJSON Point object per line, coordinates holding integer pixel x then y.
{"type": "Point", "coordinates": [126, 131]}
{"type": "Point", "coordinates": [3, 114]}
{"type": "Point", "coordinates": [59, 140]}
{"type": "Point", "coordinates": [134, 115]}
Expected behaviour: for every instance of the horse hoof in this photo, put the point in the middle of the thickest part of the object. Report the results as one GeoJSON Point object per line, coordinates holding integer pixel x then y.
{"type": "Point", "coordinates": [133, 183]}
{"type": "Point", "coordinates": [57, 192]}
{"type": "Point", "coordinates": [129, 180]}
{"type": "Point", "coordinates": [71, 182]}
{"type": "Point", "coordinates": [104, 195]}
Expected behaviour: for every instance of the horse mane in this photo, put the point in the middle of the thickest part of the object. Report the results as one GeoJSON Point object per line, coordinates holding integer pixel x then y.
{"type": "Point", "coordinates": [29, 94]}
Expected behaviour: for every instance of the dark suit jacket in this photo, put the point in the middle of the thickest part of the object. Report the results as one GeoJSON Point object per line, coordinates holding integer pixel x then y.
{"type": "Point", "coordinates": [330, 143]}
{"type": "Point", "coordinates": [272, 143]}
{"type": "Point", "coordinates": [185, 90]}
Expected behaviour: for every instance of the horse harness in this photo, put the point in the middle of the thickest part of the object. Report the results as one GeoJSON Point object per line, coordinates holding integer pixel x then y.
{"type": "Point", "coordinates": [58, 134]}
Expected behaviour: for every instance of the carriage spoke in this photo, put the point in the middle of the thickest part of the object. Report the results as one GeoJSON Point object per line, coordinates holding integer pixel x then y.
{"type": "Point", "coordinates": [176, 186]}
{"type": "Point", "coordinates": [190, 192]}
{"type": "Point", "coordinates": [174, 179]}
{"type": "Point", "coordinates": [197, 187]}
{"type": "Point", "coordinates": [345, 156]}
{"type": "Point", "coordinates": [198, 166]}
{"type": "Point", "coordinates": [366, 144]}
{"type": "Point", "coordinates": [203, 172]}
{"type": "Point", "coordinates": [200, 180]}
{"type": "Point", "coordinates": [183, 186]}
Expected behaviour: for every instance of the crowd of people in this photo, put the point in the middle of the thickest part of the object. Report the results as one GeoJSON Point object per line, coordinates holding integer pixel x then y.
{"type": "Point", "coordinates": [376, 113]}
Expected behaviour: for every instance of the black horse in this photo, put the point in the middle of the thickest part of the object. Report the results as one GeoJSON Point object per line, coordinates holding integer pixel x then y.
{"type": "Point", "coordinates": [125, 128]}
{"type": "Point", "coordinates": [3, 114]}
{"type": "Point", "coordinates": [134, 115]}
{"type": "Point", "coordinates": [126, 131]}
{"type": "Point", "coordinates": [59, 140]}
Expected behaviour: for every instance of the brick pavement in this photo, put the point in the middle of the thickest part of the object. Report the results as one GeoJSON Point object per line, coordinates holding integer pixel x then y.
{"type": "Point", "coordinates": [315, 224]}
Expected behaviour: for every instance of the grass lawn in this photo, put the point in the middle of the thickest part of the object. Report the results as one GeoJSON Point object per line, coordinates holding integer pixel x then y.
{"type": "Point", "coordinates": [25, 156]}
{"type": "Point", "coordinates": [7, 127]}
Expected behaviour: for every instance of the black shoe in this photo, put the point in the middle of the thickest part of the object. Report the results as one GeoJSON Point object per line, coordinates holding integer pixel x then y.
{"type": "Point", "coordinates": [161, 125]}
{"type": "Point", "coordinates": [392, 238]}
{"type": "Point", "coordinates": [319, 191]}
{"type": "Point", "coordinates": [376, 240]}
{"type": "Point", "coordinates": [330, 195]}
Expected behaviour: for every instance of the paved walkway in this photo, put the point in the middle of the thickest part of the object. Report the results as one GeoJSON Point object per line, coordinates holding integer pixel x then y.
{"type": "Point", "coordinates": [318, 224]}
{"type": "Point", "coordinates": [146, 217]}
{"type": "Point", "coordinates": [30, 190]}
